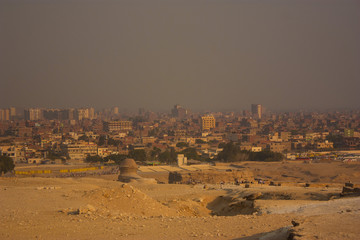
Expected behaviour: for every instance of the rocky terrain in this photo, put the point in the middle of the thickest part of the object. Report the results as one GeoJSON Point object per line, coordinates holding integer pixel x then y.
{"type": "Point", "coordinates": [100, 207]}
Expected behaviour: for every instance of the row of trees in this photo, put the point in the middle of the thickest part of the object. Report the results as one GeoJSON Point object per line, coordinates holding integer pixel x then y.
{"type": "Point", "coordinates": [233, 153]}
{"type": "Point", "coordinates": [168, 156]}
{"type": "Point", "coordinates": [230, 153]}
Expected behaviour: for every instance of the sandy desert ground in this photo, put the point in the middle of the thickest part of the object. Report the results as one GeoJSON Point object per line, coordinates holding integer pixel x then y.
{"type": "Point", "coordinates": [100, 207]}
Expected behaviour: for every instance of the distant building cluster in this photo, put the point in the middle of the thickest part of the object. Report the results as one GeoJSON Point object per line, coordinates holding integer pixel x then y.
{"type": "Point", "coordinates": [7, 114]}
{"type": "Point", "coordinates": [34, 114]}
{"type": "Point", "coordinates": [72, 135]}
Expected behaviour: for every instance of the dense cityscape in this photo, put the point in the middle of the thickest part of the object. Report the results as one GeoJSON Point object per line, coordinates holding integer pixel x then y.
{"type": "Point", "coordinates": [180, 119]}
{"type": "Point", "coordinates": [76, 136]}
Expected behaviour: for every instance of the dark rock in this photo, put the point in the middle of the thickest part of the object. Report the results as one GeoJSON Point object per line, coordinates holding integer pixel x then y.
{"type": "Point", "coordinates": [294, 223]}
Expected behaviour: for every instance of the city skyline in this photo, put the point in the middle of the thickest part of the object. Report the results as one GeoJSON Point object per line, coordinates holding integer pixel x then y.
{"type": "Point", "coordinates": [205, 55]}
{"type": "Point", "coordinates": [125, 110]}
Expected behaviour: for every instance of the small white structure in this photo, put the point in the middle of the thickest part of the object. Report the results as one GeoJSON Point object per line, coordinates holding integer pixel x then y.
{"type": "Point", "coordinates": [181, 160]}
{"type": "Point", "coordinates": [256, 149]}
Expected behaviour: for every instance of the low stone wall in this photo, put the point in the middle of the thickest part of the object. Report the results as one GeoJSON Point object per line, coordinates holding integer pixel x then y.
{"type": "Point", "coordinates": [211, 176]}
{"type": "Point", "coordinates": [350, 189]}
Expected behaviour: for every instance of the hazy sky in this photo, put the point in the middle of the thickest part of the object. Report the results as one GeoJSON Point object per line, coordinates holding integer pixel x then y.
{"type": "Point", "coordinates": [202, 54]}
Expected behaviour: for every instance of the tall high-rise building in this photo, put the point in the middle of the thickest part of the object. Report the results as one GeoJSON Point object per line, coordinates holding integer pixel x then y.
{"type": "Point", "coordinates": [4, 114]}
{"type": "Point", "coordinates": [207, 122]}
{"type": "Point", "coordinates": [179, 112]}
{"type": "Point", "coordinates": [86, 113]}
{"type": "Point", "coordinates": [91, 113]}
{"type": "Point", "coordinates": [73, 114]}
{"type": "Point", "coordinates": [256, 110]}
{"type": "Point", "coordinates": [12, 112]}
{"type": "Point", "coordinates": [33, 114]}
{"type": "Point", "coordinates": [115, 110]}
{"type": "Point", "coordinates": [82, 113]}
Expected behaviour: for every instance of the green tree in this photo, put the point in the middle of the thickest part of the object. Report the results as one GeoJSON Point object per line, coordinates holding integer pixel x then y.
{"type": "Point", "coordinates": [117, 158]}
{"type": "Point", "coordinates": [182, 144]}
{"type": "Point", "coordinates": [173, 156]}
{"type": "Point", "coordinates": [138, 155]}
{"type": "Point", "coordinates": [168, 156]}
{"type": "Point", "coordinates": [94, 159]}
{"type": "Point", "coordinates": [232, 153]}
{"type": "Point", "coordinates": [229, 153]}
{"type": "Point", "coordinates": [114, 142]}
{"type": "Point", "coordinates": [102, 140]}
{"type": "Point", "coordinates": [199, 141]}
{"type": "Point", "coordinates": [51, 154]}
{"type": "Point", "coordinates": [6, 164]}
{"type": "Point", "coordinates": [84, 138]}
{"type": "Point", "coordinates": [164, 156]}
{"type": "Point", "coordinates": [191, 153]}
{"type": "Point", "coordinates": [265, 156]}
{"type": "Point", "coordinates": [154, 153]}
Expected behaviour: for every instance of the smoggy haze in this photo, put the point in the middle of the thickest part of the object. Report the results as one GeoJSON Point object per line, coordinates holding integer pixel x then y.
{"type": "Point", "coordinates": [211, 55]}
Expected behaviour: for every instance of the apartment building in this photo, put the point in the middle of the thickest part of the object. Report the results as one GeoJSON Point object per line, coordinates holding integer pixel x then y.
{"type": "Point", "coordinates": [79, 151]}
{"type": "Point", "coordinates": [256, 110]}
{"type": "Point", "coordinates": [33, 114]}
{"type": "Point", "coordinates": [86, 113]}
{"type": "Point", "coordinates": [207, 122]}
{"type": "Point", "coordinates": [4, 114]}
{"type": "Point", "coordinates": [114, 126]}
